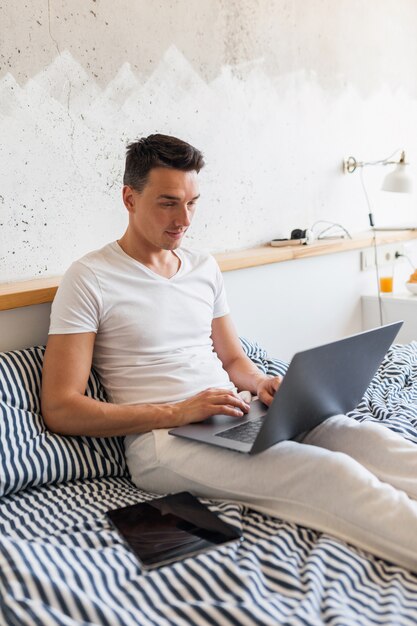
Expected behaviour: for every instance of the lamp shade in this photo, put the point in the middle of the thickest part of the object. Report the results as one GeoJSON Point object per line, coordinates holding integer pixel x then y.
{"type": "Point", "coordinates": [398, 180]}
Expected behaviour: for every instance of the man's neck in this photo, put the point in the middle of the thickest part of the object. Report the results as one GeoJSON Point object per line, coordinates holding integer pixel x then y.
{"type": "Point", "coordinates": [163, 262]}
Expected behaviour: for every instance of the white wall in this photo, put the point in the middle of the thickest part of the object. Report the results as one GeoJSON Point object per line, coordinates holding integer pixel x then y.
{"type": "Point", "coordinates": [275, 93]}
{"type": "Point", "coordinates": [24, 327]}
{"type": "Point", "coordinates": [300, 304]}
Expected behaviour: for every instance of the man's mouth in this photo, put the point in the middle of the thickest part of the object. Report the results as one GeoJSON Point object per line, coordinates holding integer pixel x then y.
{"type": "Point", "coordinates": [175, 234]}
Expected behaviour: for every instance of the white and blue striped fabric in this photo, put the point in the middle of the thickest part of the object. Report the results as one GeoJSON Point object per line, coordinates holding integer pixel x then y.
{"type": "Point", "coordinates": [31, 455]}
{"type": "Point", "coordinates": [62, 564]}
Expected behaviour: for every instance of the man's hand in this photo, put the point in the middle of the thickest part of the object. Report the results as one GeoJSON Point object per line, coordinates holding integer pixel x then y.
{"type": "Point", "coordinates": [207, 403]}
{"type": "Point", "coordinates": [267, 387]}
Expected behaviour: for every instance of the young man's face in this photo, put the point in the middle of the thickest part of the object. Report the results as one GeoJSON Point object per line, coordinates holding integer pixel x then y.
{"type": "Point", "coordinates": [161, 214]}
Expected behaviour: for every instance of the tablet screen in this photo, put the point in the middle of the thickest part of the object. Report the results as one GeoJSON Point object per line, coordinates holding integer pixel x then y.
{"type": "Point", "coordinates": [169, 529]}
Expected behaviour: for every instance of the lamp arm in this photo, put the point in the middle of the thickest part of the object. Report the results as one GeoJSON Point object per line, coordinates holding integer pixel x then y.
{"type": "Point", "coordinates": [351, 164]}
{"type": "Point", "coordinates": [402, 160]}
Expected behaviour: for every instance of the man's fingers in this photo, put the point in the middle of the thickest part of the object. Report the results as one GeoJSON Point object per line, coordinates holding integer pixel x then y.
{"type": "Point", "coordinates": [265, 397]}
{"type": "Point", "coordinates": [234, 411]}
{"type": "Point", "coordinates": [226, 402]}
{"type": "Point", "coordinates": [276, 383]}
{"type": "Point", "coordinates": [226, 409]}
{"type": "Point", "coordinates": [218, 396]}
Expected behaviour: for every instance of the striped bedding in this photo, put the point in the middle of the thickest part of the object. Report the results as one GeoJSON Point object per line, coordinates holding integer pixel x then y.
{"type": "Point", "coordinates": [61, 563]}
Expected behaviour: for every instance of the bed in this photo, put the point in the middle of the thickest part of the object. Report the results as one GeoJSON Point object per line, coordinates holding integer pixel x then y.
{"type": "Point", "coordinates": [62, 564]}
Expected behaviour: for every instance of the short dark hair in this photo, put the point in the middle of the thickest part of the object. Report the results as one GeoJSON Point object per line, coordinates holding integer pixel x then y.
{"type": "Point", "coordinates": [158, 151]}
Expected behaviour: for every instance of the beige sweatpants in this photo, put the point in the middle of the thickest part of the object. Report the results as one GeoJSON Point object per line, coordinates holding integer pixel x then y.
{"type": "Point", "coordinates": [355, 481]}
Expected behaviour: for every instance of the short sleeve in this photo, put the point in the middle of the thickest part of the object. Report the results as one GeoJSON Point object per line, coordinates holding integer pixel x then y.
{"type": "Point", "coordinates": [221, 306]}
{"type": "Point", "coordinates": [77, 305]}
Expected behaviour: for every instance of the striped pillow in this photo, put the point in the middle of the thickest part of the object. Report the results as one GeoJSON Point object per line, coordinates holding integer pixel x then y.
{"type": "Point", "coordinates": [31, 455]}
{"type": "Point", "coordinates": [259, 356]}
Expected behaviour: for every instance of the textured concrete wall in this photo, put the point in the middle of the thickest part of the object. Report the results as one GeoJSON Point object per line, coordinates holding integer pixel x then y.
{"type": "Point", "coordinates": [345, 41]}
{"type": "Point", "coordinates": [274, 92]}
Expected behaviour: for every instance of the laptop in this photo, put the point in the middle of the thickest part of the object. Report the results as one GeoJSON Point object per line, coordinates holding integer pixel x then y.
{"type": "Point", "coordinates": [320, 382]}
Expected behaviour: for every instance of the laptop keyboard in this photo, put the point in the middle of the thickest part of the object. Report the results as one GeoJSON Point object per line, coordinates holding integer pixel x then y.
{"type": "Point", "coordinates": [246, 432]}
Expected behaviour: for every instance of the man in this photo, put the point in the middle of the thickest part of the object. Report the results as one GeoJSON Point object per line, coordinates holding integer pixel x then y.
{"type": "Point", "coordinates": [153, 319]}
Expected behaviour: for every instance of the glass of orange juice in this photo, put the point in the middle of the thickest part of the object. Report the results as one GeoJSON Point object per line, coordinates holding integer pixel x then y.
{"type": "Point", "coordinates": [386, 284]}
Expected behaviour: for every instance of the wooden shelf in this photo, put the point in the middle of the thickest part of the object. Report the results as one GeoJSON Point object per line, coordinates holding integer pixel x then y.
{"type": "Point", "coordinates": [25, 293]}
{"type": "Point", "coordinates": [40, 290]}
{"type": "Point", "coordinates": [262, 255]}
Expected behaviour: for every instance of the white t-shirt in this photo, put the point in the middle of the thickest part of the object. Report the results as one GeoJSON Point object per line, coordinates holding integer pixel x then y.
{"type": "Point", "coordinates": [153, 342]}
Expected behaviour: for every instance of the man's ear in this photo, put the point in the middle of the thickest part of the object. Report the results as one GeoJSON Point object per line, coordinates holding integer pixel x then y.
{"type": "Point", "coordinates": [128, 198]}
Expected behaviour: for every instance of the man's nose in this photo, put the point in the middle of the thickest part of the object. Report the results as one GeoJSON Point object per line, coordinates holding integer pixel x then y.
{"type": "Point", "coordinates": [183, 217]}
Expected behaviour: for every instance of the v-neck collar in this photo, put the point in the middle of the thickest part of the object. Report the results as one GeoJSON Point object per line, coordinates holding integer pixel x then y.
{"type": "Point", "coordinates": [178, 253]}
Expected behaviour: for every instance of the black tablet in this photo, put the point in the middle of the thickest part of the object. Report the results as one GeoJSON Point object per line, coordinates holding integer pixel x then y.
{"type": "Point", "coordinates": [170, 529]}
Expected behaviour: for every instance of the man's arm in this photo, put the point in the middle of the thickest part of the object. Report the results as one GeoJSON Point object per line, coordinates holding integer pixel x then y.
{"type": "Point", "coordinates": [242, 372]}
{"type": "Point", "coordinates": [68, 411]}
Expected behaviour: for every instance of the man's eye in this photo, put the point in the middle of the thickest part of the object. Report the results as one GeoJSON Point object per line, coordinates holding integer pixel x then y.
{"type": "Point", "coordinates": [167, 203]}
